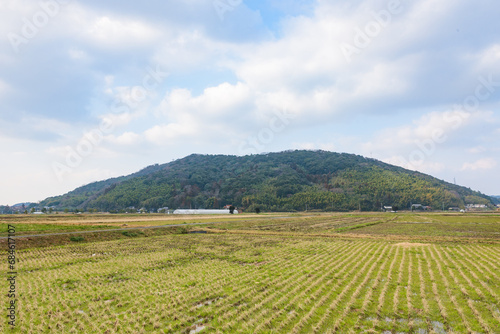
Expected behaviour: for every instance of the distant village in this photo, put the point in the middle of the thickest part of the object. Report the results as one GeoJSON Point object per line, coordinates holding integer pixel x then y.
{"type": "Point", "coordinates": [467, 208]}
{"type": "Point", "coordinates": [33, 208]}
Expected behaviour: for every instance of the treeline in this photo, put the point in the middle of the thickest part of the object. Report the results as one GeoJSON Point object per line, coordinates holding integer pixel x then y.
{"type": "Point", "coordinates": [286, 181]}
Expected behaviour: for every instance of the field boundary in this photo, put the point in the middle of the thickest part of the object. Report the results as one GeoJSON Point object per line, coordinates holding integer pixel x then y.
{"type": "Point", "coordinates": [387, 237]}
{"type": "Point", "coordinates": [107, 230]}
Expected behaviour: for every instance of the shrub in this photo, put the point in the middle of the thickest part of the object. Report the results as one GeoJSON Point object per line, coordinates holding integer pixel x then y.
{"type": "Point", "coordinates": [77, 239]}
{"type": "Point", "coordinates": [132, 234]}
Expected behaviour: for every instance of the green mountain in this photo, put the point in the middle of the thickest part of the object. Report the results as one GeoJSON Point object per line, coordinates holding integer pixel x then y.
{"type": "Point", "coordinates": [290, 180]}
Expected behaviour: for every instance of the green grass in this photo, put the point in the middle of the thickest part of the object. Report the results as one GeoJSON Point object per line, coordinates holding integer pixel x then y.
{"type": "Point", "coordinates": [132, 234]}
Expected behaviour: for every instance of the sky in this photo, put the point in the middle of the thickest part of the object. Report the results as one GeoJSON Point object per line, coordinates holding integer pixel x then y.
{"type": "Point", "coordinates": [97, 89]}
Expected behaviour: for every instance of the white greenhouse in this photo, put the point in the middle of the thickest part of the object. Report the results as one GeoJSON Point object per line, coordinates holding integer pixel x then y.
{"type": "Point", "coordinates": [203, 212]}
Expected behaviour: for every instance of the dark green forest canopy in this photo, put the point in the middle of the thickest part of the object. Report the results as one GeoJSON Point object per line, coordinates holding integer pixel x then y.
{"type": "Point", "coordinates": [496, 199]}
{"type": "Point", "coordinates": [285, 181]}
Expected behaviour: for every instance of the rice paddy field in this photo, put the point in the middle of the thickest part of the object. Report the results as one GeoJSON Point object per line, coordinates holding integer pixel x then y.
{"type": "Point", "coordinates": [300, 273]}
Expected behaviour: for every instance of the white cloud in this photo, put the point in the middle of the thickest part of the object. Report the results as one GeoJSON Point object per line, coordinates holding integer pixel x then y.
{"type": "Point", "coordinates": [89, 27]}
{"type": "Point", "coordinates": [119, 33]}
{"type": "Point", "coordinates": [434, 143]}
{"type": "Point", "coordinates": [433, 128]}
{"type": "Point", "coordinates": [191, 50]}
{"type": "Point", "coordinates": [47, 124]}
{"type": "Point", "coordinates": [33, 128]}
{"type": "Point", "coordinates": [59, 152]}
{"type": "Point", "coordinates": [314, 146]}
{"type": "Point", "coordinates": [4, 88]}
{"type": "Point", "coordinates": [211, 115]}
{"type": "Point", "coordinates": [424, 166]}
{"type": "Point", "coordinates": [477, 150]}
{"type": "Point", "coordinates": [488, 58]}
{"type": "Point", "coordinates": [79, 55]}
{"type": "Point", "coordinates": [12, 12]}
{"type": "Point", "coordinates": [220, 101]}
{"type": "Point", "coordinates": [228, 80]}
{"type": "Point", "coordinates": [125, 139]}
{"type": "Point", "coordinates": [172, 134]}
{"type": "Point", "coordinates": [482, 164]}
{"type": "Point", "coordinates": [91, 175]}
{"type": "Point", "coordinates": [306, 69]}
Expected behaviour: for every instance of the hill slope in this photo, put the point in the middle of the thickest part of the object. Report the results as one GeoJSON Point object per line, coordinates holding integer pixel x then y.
{"type": "Point", "coordinates": [496, 199]}
{"type": "Point", "coordinates": [288, 180]}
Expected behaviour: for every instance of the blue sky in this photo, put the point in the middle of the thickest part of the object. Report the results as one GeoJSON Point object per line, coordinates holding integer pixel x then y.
{"type": "Point", "coordinates": [93, 89]}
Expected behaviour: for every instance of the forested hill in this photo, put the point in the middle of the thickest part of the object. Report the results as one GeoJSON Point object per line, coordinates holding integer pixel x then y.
{"type": "Point", "coordinates": [291, 180]}
{"type": "Point", "coordinates": [496, 199]}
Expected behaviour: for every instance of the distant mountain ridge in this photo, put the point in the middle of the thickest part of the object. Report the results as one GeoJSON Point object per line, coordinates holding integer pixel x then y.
{"type": "Point", "coordinates": [284, 181]}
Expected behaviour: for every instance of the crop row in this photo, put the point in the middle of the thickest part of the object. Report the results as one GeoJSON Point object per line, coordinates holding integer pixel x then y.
{"type": "Point", "coordinates": [258, 284]}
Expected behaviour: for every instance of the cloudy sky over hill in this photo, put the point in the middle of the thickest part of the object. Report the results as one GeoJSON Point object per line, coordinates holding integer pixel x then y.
{"type": "Point", "coordinates": [95, 89]}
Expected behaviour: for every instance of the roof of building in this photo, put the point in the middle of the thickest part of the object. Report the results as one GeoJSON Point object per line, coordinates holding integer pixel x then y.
{"type": "Point", "coordinates": [202, 212]}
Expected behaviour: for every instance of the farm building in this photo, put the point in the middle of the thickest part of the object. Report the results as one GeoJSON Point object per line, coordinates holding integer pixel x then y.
{"type": "Point", "coordinates": [417, 207]}
{"type": "Point", "coordinates": [163, 210]}
{"type": "Point", "coordinates": [420, 207]}
{"type": "Point", "coordinates": [202, 212]}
